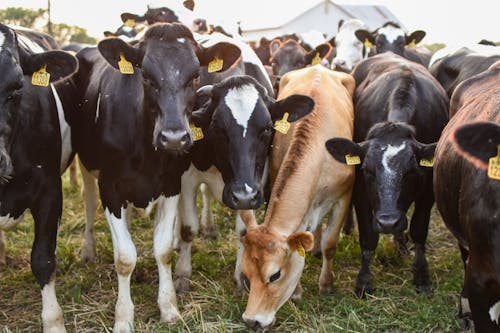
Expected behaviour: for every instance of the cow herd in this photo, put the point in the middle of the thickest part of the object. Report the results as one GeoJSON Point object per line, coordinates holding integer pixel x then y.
{"type": "Point", "coordinates": [365, 121]}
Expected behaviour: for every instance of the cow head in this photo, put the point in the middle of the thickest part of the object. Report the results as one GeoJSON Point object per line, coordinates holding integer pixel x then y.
{"type": "Point", "coordinates": [290, 55]}
{"type": "Point", "coordinates": [350, 50]}
{"type": "Point", "coordinates": [17, 65]}
{"type": "Point", "coordinates": [239, 119]}
{"type": "Point", "coordinates": [390, 168]}
{"type": "Point", "coordinates": [272, 265]}
{"type": "Point", "coordinates": [390, 37]}
{"type": "Point", "coordinates": [168, 61]}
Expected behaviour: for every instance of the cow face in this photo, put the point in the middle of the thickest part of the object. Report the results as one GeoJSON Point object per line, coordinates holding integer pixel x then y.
{"type": "Point", "coordinates": [350, 50]}
{"type": "Point", "coordinates": [239, 119]}
{"type": "Point", "coordinates": [290, 55]}
{"type": "Point", "coordinates": [390, 169]}
{"type": "Point", "coordinates": [272, 265]}
{"type": "Point", "coordinates": [168, 61]}
{"type": "Point", "coordinates": [390, 38]}
{"type": "Point", "coordinates": [17, 64]}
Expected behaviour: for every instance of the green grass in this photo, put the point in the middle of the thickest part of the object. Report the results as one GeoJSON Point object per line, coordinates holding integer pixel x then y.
{"type": "Point", "coordinates": [87, 292]}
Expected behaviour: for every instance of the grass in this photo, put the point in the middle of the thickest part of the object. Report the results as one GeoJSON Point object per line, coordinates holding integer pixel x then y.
{"type": "Point", "coordinates": [87, 292]}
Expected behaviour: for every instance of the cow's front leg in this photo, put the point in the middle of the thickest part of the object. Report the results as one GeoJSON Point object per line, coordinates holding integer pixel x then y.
{"type": "Point", "coordinates": [464, 312]}
{"type": "Point", "coordinates": [90, 198]}
{"type": "Point", "coordinates": [2, 249]}
{"type": "Point", "coordinates": [208, 227]}
{"type": "Point", "coordinates": [244, 219]}
{"type": "Point", "coordinates": [163, 246]}
{"type": "Point", "coordinates": [125, 256]}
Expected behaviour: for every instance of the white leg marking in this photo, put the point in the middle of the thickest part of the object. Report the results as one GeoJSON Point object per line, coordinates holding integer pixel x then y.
{"type": "Point", "coordinates": [464, 305]}
{"type": "Point", "coordinates": [241, 101]}
{"type": "Point", "coordinates": [90, 197]}
{"type": "Point", "coordinates": [495, 312]}
{"type": "Point", "coordinates": [163, 239]}
{"type": "Point", "coordinates": [125, 259]}
{"type": "Point", "coordinates": [52, 315]}
{"type": "Point", "coordinates": [2, 249]}
{"type": "Point", "coordinates": [65, 131]}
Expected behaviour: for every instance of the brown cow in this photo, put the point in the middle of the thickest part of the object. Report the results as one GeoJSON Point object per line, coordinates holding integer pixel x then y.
{"type": "Point", "coordinates": [308, 184]}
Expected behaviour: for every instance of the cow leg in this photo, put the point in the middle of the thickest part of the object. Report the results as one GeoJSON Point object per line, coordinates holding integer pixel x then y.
{"type": "Point", "coordinates": [125, 256]}
{"type": "Point", "coordinates": [316, 251]}
{"type": "Point", "coordinates": [349, 222]}
{"type": "Point", "coordinates": [2, 249]}
{"type": "Point", "coordinates": [73, 173]}
{"type": "Point", "coordinates": [464, 312]}
{"type": "Point", "coordinates": [330, 241]}
{"type": "Point", "coordinates": [244, 219]}
{"type": "Point", "coordinates": [187, 223]}
{"type": "Point", "coordinates": [163, 247]}
{"type": "Point", "coordinates": [47, 215]}
{"type": "Point", "coordinates": [90, 197]}
{"type": "Point", "coordinates": [419, 228]}
{"type": "Point", "coordinates": [208, 228]}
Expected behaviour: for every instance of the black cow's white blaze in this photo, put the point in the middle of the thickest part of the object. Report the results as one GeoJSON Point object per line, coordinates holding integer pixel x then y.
{"type": "Point", "coordinates": [241, 101]}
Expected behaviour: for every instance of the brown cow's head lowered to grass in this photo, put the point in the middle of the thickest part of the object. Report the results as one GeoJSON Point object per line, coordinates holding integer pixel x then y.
{"type": "Point", "coordinates": [272, 265]}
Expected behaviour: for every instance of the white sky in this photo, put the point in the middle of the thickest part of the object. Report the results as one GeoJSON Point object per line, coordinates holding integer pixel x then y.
{"type": "Point", "coordinates": [448, 21]}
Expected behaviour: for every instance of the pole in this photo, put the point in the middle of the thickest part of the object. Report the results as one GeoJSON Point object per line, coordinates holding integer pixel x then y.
{"type": "Point", "coordinates": [49, 23]}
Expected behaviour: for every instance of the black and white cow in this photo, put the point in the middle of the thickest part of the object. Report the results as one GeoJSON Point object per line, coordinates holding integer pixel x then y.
{"type": "Point", "coordinates": [134, 131]}
{"type": "Point", "coordinates": [391, 37]}
{"type": "Point", "coordinates": [452, 65]}
{"type": "Point", "coordinates": [467, 190]}
{"type": "Point", "coordinates": [35, 147]}
{"type": "Point", "coordinates": [400, 110]}
{"type": "Point", "coordinates": [350, 50]}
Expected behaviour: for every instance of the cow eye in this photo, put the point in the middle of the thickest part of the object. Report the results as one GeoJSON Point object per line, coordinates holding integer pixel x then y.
{"type": "Point", "coordinates": [246, 283]}
{"type": "Point", "coordinates": [14, 97]}
{"type": "Point", "coordinates": [275, 276]}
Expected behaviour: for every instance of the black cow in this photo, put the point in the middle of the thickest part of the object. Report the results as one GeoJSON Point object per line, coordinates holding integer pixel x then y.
{"type": "Point", "coordinates": [390, 37]}
{"type": "Point", "coordinates": [452, 66]}
{"type": "Point", "coordinates": [467, 190]}
{"type": "Point", "coordinates": [134, 130]}
{"type": "Point", "coordinates": [400, 110]}
{"type": "Point", "coordinates": [35, 147]}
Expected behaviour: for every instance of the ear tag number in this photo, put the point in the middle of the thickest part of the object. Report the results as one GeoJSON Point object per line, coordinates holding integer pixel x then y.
{"type": "Point", "coordinates": [125, 65]}
{"type": "Point", "coordinates": [352, 159]}
{"type": "Point", "coordinates": [412, 44]}
{"type": "Point", "coordinates": [368, 44]}
{"type": "Point", "coordinates": [494, 166]}
{"type": "Point", "coordinates": [300, 250]}
{"type": "Point", "coordinates": [196, 132]}
{"type": "Point", "coordinates": [129, 23]}
{"type": "Point", "coordinates": [426, 163]}
{"type": "Point", "coordinates": [316, 60]}
{"type": "Point", "coordinates": [282, 125]}
{"type": "Point", "coordinates": [41, 77]}
{"type": "Point", "coordinates": [215, 65]}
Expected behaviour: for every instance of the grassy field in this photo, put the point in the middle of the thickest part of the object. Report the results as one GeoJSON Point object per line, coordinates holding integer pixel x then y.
{"type": "Point", "coordinates": [87, 292]}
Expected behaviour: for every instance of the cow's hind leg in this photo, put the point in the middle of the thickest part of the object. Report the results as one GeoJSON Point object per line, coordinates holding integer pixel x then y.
{"type": "Point", "coordinates": [163, 247]}
{"type": "Point", "coordinates": [90, 197]}
{"type": "Point", "coordinates": [208, 227]}
{"type": "Point", "coordinates": [464, 312]}
{"type": "Point", "coordinates": [2, 249]}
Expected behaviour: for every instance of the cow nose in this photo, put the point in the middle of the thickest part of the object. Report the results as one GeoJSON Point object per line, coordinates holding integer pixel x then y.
{"type": "Point", "coordinates": [339, 62]}
{"type": "Point", "coordinates": [388, 222]}
{"type": "Point", "coordinates": [244, 199]}
{"type": "Point", "coordinates": [174, 140]}
{"type": "Point", "coordinates": [253, 324]}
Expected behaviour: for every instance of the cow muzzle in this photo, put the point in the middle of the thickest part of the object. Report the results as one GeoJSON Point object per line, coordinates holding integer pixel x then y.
{"type": "Point", "coordinates": [390, 223]}
{"type": "Point", "coordinates": [242, 196]}
{"type": "Point", "coordinates": [6, 168]}
{"type": "Point", "coordinates": [258, 322]}
{"type": "Point", "coordinates": [177, 141]}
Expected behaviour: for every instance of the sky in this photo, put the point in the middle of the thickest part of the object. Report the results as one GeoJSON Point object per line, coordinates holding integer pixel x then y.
{"type": "Point", "coordinates": [452, 22]}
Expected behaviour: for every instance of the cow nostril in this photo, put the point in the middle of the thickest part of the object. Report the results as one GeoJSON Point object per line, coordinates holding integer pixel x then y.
{"type": "Point", "coordinates": [253, 324]}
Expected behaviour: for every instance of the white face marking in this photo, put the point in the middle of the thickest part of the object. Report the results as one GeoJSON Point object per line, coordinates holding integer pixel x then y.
{"type": "Point", "coordinates": [241, 101]}
{"type": "Point", "coordinates": [495, 312]}
{"type": "Point", "coordinates": [349, 48]}
{"type": "Point", "coordinates": [391, 33]}
{"type": "Point", "coordinates": [2, 40]}
{"type": "Point", "coordinates": [181, 40]}
{"type": "Point", "coordinates": [248, 189]}
{"type": "Point", "coordinates": [389, 153]}
{"type": "Point", "coordinates": [65, 131]}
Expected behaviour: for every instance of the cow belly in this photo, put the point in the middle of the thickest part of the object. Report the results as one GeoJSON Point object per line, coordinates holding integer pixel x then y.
{"type": "Point", "coordinates": [7, 221]}
{"type": "Point", "coordinates": [212, 177]}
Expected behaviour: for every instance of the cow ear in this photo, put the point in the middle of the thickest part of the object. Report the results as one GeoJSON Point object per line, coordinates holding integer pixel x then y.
{"type": "Point", "coordinates": [479, 139]}
{"type": "Point", "coordinates": [112, 49]}
{"type": "Point", "coordinates": [189, 4]}
{"type": "Point", "coordinates": [108, 33]}
{"type": "Point", "coordinates": [59, 64]}
{"type": "Point", "coordinates": [228, 53]}
{"type": "Point", "coordinates": [339, 148]}
{"type": "Point", "coordinates": [341, 22]}
{"type": "Point", "coordinates": [301, 240]}
{"type": "Point", "coordinates": [322, 50]}
{"type": "Point", "coordinates": [426, 151]}
{"type": "Point", "coordinates": [203, 116]}
{"type": "Point", "coordinates": [362, 35]}
{"type": "Point", "coordinates": [297, 107]}
{"type": "Point", "coordinates": [274, 46]}
{"type": "Point", "coordinates": [415, 37]}
{"type": "Point", "coordinates": [134, 17]}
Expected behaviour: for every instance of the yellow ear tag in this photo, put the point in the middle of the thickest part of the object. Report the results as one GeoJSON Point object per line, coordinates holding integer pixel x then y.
{"type": "Point", "coordinates": [316, 60]}
{"type": "Point", "coordinates": [125, 66]}
{"type": "Point", "coordinates": [368, 44]}
{"type": "Point", "coordinates": [300, 250]}
{"type": "Point", "coordinates": [41, 77]}
{"type": "Point", "coordinates": [352, 159]}
{"type": "Point", "coordinates": [427, 163]}
{"type": "Point", "coordinates": [494, 166]}
{"type": "Point", "coordinates": [282, 125]}
{"type": "Point", "coordinates": [215, 65]}
{"type": "Point", "coordinates": [196, 132]}
{"type": "Point", "coordinates": [412, 44]}
{"type": "Point", "coordinates": [129, 23]}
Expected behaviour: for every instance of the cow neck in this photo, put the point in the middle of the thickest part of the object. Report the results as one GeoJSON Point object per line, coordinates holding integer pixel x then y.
{"type": "Point", "coordinates": [203, 152]}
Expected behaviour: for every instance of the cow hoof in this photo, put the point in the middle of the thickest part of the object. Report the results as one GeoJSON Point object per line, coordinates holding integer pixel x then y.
{"type": "Point", "coordinates": [88, 256]}
{"type": "Point", "coordinates": [170, 317]}
{"type": "Point", "coordinates": [326, 290]}
{"type": "Point", "coordinates": [424, 289]}
{"type": "Point", "coordinates": [362, 291]}
{"type": "Point", "coordinates": [466, 322]}
{"type": "Point", "coordinates": [123, 327]}
{"type": "Point", "coordinates": [210, 232]}
{"type": "Point", "coordinates": [181, 285]}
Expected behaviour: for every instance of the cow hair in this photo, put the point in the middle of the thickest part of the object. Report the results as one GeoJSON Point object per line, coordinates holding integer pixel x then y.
{"type": "Point", "coordinates": [397, 129]}
{"type": "Point", "coordinates": [169, 32]}
{"type": "Point", "coordinates": [238, 81]}
{"type": "Point", "coordinates": [402, 100]}
{"type": "Point", "coordinates": [392, 24]}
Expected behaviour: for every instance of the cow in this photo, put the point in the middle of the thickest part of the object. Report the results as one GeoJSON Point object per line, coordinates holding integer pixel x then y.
{"type": "Point", "coordinates": [467, 190]}
{"type": "Point", "coordinates": [134, 132]}
{"type": "Point", "coordinates": [451, 66]}
{"type": "Point", "coordinates": [350, 50]}
{"type": "Point", "coordinates": [391, 37]}
{"type": "Point", "coordinates": [237, 125]}
{"type": "Point", "coordinates": [35, 147]}
{"type": "Point", "coordinates": [291, 55]}
{"type": "Point", "coordinates": [307, 185]}
{"type": "Point", "coordinates": [400, 111]}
